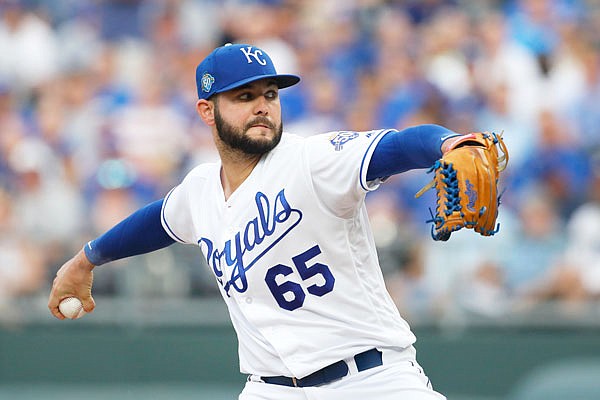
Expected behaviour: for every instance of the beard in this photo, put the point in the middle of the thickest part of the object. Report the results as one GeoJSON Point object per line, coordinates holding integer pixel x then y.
{"type": "Point", "coordinates": [236, 138]}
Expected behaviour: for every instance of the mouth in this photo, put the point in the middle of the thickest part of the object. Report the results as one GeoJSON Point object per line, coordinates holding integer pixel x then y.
{"type": "Point", "coordinates": [261, 124]}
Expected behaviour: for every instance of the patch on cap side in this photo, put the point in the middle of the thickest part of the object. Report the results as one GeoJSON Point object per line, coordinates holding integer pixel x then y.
{"type": "Point", "coordinates": [207, 82]}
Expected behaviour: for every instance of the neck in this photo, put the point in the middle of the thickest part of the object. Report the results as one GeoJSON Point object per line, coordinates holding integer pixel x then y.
{"type": "Point", "coordinates": [236, 166]}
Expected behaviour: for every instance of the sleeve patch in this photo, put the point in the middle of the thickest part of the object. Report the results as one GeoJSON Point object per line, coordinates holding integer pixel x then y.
{"type": "Point", "coordinates": [339, 139]}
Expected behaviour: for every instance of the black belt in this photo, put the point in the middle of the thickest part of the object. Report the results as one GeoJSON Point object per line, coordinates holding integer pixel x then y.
{"type": "Point", "coordinates": [365, 360]}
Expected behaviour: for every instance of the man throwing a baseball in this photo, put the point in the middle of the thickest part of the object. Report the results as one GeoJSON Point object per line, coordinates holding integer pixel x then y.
{"type": "Point", "coordinates": [281, 220]}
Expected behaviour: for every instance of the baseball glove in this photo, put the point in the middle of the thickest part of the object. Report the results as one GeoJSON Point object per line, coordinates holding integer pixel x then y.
{"type": "Point", "coordinates": [466, 184]}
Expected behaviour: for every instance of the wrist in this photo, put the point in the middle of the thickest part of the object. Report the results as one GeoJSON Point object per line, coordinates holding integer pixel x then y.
{"type": "Point", "coordinates": [85, 257]}
{"type": "Point", "coordinates": [455, 141]}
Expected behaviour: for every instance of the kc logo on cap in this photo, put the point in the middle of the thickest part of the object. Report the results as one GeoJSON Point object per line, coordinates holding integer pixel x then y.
{"type": "Point", "coordinates": [233, 65]}
{"type": "Point", "coordinates": [256, 55]}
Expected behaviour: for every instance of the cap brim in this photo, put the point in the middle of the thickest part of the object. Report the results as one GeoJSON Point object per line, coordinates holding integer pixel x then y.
{"type": "Point", "coordinates": [282, 80]}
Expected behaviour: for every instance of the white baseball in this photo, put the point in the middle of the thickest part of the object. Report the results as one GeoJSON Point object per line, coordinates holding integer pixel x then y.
{"type": "Point", "coordinates": [71, 308]}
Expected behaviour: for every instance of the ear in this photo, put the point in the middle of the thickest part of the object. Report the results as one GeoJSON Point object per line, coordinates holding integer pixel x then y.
{"type": "Point", "coordinates": [206, 111]}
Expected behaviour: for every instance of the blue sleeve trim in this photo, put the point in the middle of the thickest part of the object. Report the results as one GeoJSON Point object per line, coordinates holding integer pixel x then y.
{"type": "Point", "coordinates": [140, 233]}
{"type": "Point", "coordinates": [410, 148]}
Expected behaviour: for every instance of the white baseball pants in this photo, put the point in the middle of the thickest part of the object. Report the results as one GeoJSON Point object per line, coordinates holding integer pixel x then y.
{"type": "Point", "coordinates": [400, 377]}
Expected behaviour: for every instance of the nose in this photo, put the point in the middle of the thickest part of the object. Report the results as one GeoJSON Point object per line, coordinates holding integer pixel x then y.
{"type": "Point", "coordinates": [261, 106]}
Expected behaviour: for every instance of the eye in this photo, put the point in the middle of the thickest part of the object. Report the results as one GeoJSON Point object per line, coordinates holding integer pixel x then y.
{"type": "Point", "coordinates": [271, 94]}
{"type": "Point", "coordinates": [245, 96]}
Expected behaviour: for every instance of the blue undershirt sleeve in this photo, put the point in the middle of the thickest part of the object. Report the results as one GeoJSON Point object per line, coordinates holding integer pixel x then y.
{"type": "Point", "coordinates": [140, 233]}
{"type": "Point", "coordinates": [410, 148]}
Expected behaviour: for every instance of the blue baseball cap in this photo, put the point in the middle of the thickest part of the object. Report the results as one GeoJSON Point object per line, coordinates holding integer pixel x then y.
{"type": "Point", "coordinates": [233, 65]}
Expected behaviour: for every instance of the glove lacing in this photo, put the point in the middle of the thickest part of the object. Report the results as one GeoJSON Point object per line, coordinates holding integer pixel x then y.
{"type": "Point", "coordinates": [452, 195]}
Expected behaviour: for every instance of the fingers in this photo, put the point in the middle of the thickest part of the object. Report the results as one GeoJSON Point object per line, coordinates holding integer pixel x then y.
{"type": "Point", "coordinates": [88, 304]}
{"type": "Point", "coordinates": [55, 311]}
{"type": "Point", "coordinates": [54, 300]}
{"type": "Point", "coordinates": [73, 279]}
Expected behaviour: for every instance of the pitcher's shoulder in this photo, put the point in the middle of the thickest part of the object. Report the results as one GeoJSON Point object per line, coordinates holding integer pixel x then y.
{"type": "Point", "coordinates": [204, 170]}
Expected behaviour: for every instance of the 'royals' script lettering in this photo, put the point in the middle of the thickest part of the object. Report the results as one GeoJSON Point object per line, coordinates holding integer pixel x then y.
{"type": "Point", "coordinates": [274, 220]}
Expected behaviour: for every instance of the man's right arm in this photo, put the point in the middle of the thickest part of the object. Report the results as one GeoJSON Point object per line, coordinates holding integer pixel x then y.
{"type": "Point", "coordinates": [140, 233]}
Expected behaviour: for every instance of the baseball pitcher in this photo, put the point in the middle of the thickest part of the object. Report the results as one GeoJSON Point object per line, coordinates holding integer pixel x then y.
{"type": "Point", "coordinates": [281, 220]}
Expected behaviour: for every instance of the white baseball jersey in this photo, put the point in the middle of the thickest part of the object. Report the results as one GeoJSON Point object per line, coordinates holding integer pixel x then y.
{"type": "Point", "coordinates": [293, 253]}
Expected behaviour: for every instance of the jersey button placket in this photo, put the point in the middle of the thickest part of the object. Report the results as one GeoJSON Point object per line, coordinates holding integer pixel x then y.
{"type": "Point", "coordinates": [230, 231]}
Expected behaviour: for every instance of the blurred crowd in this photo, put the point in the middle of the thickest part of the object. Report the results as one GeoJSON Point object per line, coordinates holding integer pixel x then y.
{"type": "Point", "coordinates": [97, 118]}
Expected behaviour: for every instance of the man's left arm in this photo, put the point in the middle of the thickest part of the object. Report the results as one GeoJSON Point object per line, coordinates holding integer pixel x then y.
{"type": "Point", "coordinates": [466, 169]}
{"type": "Point", "coordinates": [411, 148]}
